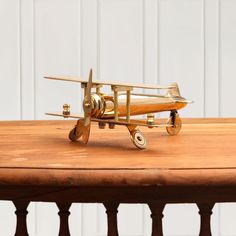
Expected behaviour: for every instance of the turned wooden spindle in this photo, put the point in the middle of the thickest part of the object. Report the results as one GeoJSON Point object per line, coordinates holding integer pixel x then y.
{"type": "Point", "coordinates": [156, 215]}
{"type": "Point", "coordinates": [21, 214]}
{"type": "Point", "coordinates": [112, 210]}
{"type": "Point", "coordinates": [205, 211]}
{"type": "Point", "coordinates": [64, 217]}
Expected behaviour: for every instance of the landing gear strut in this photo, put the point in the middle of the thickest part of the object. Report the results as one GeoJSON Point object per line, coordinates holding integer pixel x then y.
{"type": "Point", "coordinates": [174, 123]}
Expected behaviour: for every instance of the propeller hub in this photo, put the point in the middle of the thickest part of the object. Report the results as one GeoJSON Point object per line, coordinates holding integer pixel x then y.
{"type": "Point", "coordinates": [87, 105]}
{"type": "Point", "coordinates": [95, 107]}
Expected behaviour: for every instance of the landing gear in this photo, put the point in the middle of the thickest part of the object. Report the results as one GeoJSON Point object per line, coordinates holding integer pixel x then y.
{"type": "Point", "coordinates": [77, 131]}
{"type": "Point", "coordinates": [174, 123]}
{"type": "Point", "coordinates": [137, 137]}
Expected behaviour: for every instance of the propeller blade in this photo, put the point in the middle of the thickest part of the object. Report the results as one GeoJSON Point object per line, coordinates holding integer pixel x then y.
{"type": "Point", "coordinates": [87, 120]}
{"type": "Point", "coordinates": [86, 133]}
{"type": "Point", "coordinates": [89, 86]}
{"type": "Point", "coordinates": [87, 105]}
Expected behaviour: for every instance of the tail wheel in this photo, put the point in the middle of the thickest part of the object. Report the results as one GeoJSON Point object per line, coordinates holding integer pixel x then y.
{"type": "Point", "coordinates": [174, 124]}
{"type": "Point", "coordinates": [138, 139]}
{"type": "Point", "coordinates": [77, 131]}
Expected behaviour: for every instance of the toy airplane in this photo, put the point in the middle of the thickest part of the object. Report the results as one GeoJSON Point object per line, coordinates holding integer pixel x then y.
{"type": "Point", "coordinates": [117, 109]}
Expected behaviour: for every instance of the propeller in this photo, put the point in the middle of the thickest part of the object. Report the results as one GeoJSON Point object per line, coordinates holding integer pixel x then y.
{"type": "Point", "coordinates": [87, 106]}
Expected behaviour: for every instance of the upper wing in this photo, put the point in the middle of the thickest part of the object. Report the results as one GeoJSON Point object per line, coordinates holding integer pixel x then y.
{"type": "Point", "coordinates": [97, 82]}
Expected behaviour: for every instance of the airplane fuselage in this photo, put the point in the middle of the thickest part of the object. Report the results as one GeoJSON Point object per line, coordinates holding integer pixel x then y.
{"type": "Point", "coordinates": [103, 106]}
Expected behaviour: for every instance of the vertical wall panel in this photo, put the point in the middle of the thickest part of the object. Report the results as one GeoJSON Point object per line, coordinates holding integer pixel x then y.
{"type": "Point", "coordinates": [31, 219]}
{"type": "Point", "coordinates": [10, 75]}
{"type": "Point", "coordinates": [147, 222]}
{"type": "Point", "coordinates": [27, 59]}
{"type": "Point", "coordinates": [181, 220]}
{"type": "Point", "coordinates": [181, 50]}
{"type": "Point", "coordinates": [75, 219]}
{"type": "Point", "coordinates": [227, 219]}
{"type": "Point", "coordinates": [56, 53]}
{"type": "Point", "coordinates": [228, 57]}
{"type": "Point", "coordinates": [150, 44]}
{"type": "Point", "coordinates": [131, 220]}
{"type": "Point", "coordinates": [211, 15]}
{"type": "Point", "coordinates": [227, 70]}
{"type": "Point", "coordinates": [47, 219]}
{"type": "Point", "coordinates": [89, 37]}
{"type": "Point", "coordinates": [121, 40]}
{"type": "Point", "coordinates": [90, 220]}
{"type": "Point", "coordinates": [8, 219]}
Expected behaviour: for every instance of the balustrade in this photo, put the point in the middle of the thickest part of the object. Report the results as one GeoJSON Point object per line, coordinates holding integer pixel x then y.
{"type": "Point", "coordinates": [156, 209]}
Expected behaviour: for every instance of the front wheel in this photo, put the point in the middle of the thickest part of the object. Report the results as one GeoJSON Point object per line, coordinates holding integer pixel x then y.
{"type": "Point", "coordinates": [138, 139]}
{"type": "Point", "coordinates": [174, 124]}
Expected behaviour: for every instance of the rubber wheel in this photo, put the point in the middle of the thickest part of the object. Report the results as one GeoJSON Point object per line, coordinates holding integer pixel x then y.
{"type": "Point", "coordinates": [138, 139]}
{"type": "Point", "coordinates": [174, 129]}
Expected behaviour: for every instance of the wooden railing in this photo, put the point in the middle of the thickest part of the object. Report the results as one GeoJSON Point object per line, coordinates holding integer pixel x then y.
{"type": "Point", "coordinates": [156, 208]}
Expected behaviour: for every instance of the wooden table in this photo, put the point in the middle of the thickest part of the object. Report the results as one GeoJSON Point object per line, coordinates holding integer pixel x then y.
{"type": "Point", "coordinates": [39, 163]}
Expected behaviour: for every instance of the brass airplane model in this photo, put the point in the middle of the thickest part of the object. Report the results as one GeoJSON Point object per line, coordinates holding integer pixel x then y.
{"type": "Point", "coordinates": [117, 109]}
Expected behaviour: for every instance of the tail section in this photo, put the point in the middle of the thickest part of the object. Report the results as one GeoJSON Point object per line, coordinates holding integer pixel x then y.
{"type": "Point", "coordinates": [174, 91]}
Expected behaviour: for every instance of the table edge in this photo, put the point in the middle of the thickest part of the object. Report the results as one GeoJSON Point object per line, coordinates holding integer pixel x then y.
{"type": "Point", "coordinates": [153, 177]}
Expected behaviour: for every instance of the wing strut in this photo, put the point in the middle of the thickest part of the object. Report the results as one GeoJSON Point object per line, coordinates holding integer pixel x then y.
{"type": "Point", "coordinates": [117, 89]}
{"type": "Point", "coordinates": [128, 98]}
{"type": "Point", "coordinates": [116, 104]}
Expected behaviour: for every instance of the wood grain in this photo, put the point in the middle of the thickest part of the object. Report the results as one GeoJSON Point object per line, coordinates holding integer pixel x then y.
{"type": "Point", "coordinates": [197, 166]}
{"type": "Point", "coordinates": [39, 152]}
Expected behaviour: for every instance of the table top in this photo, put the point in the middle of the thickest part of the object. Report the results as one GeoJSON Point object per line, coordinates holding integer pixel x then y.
{"type": "Point", "coordinates": [39, 153]}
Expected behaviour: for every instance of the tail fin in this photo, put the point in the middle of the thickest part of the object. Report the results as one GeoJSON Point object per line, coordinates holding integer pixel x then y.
{"type": "Point", "coordinates": [173, 92]}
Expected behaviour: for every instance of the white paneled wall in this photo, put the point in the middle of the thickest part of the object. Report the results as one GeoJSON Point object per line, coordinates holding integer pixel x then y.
{"type": "Point", "coordinates": [192, 42]}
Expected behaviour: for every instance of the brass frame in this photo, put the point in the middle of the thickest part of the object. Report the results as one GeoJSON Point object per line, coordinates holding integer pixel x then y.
{"type": "Point", "coordinates": [123, 108]}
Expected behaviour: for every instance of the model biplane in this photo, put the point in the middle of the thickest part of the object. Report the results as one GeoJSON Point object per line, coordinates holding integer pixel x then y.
{"type": "Point", "coordinates": [117, 109]}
